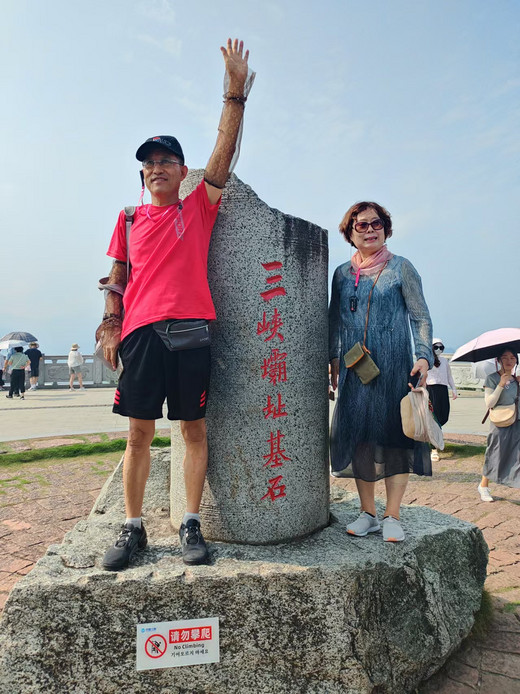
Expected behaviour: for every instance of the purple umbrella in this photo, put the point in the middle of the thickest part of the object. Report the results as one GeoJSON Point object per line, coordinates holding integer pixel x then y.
{"type": "Point", "coordinates": [489, 345]}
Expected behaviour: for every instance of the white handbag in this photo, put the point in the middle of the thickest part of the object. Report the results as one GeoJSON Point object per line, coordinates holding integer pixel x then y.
{"type": "Point", "coordinates": [417, 419]}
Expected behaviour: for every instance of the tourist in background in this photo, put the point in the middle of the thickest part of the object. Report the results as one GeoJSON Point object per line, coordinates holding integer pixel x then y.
{"type": "Point", "coordinates": [367, 439]}
{"type": "Point", "coordinates": [502, 461]}
{"type": "Point", "coordinates": [35, 357]}
{"type": "Point", "coordinates": [75, 362]}
{"type": "Point", "coordinates": [2, 364]}
{"type": "Point", "coordinates": [16, 364]}
{"type": "Point", "coordinates": [438, 379]}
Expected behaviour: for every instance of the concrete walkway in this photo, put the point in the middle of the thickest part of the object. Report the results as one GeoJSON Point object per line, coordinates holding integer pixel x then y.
{"type": "Point", "coordinates": [60, 413]}
{"type": "Point", "coordinates": [39, 502]}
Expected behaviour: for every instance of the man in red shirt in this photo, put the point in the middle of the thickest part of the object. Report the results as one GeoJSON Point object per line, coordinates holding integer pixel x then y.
{"type": "Point", "coordinates": [163, 337]}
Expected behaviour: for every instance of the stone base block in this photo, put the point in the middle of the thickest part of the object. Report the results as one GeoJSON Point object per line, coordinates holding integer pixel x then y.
{"type": "Point", "coordinates": [328, 614]}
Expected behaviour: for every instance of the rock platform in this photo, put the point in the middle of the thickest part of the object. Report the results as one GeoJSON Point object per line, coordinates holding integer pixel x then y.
{"type": "Point", "coordinates": [327, 614]}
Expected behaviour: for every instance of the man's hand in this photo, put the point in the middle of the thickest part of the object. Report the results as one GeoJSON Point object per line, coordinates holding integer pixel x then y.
{"type": "Point", "coordinates": [109, 334]}
{"type": "Point", "coordinates": [236, 65]}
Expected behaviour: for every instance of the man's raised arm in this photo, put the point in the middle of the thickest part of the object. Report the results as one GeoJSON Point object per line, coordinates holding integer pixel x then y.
{"type": "Point", "coordinates": [238, 84]}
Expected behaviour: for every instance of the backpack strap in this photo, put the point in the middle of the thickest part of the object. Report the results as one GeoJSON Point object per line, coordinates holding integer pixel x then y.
{"type": "Point", "coordinates": [129, 220]}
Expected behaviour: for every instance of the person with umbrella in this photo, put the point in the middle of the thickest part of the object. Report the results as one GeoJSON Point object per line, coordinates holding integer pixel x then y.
{"type": "Point", "coordinates": [17, 363]}
{"type": "Point", "coordinates": [501, 388]}
{"type": "Point", "coordinates": [502, 460]}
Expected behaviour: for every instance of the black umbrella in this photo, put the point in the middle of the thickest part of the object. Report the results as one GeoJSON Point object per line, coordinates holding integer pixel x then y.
{"type": "Point", "coordinates": [20, 335]}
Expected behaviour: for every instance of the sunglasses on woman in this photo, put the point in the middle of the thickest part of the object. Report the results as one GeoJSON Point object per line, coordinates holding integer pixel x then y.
{"type": "Point", "coordinates": [361, 227]}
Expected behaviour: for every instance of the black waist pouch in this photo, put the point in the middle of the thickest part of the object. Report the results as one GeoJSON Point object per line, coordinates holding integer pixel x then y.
{"type": "Point", "coordinates": [183, 334]}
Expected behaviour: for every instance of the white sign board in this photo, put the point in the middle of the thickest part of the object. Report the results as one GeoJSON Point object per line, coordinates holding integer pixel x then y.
{"type": "Point", "coordinates": [174, 644]}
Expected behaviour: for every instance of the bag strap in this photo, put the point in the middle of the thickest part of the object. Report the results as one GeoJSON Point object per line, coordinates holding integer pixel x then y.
{"type": "Point", "coordinates": [516, 402]}
{"type": "Point", "coordinates": [368, 307]}
{"type": "Point", "coordinates": [129, 220]}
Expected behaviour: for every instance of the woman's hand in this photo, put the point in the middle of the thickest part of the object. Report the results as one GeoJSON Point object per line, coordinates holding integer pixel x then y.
{"type": "Point", "coordinates": [420, 367]}
{"type": "Point", "coordinates": [454, 394]}
{"type": "Point", "coordinates": [505, 378]}
{"type": "Point", "coordinates": [334, 373]}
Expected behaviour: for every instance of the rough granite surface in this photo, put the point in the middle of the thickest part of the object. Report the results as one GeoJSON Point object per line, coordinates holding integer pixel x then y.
{"type": "Point", "coordinates": [327, 614]}
{"type": "Point", "coordinates": [236, 507]}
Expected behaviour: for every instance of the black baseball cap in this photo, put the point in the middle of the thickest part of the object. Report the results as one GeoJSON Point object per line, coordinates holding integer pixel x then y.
{"type": "Point", "coordinates": [166, 141]}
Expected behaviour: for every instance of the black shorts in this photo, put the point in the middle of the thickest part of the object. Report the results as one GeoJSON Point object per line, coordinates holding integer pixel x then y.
{"type": "Point", "coordinates": [152, 373]}
{"type": "Point", "coordinates": [35, 371]}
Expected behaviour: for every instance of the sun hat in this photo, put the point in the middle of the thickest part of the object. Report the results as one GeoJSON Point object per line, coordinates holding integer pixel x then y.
{"type": "Point", "coordinates": [75, 345]}
{"type": "Point", "coordinates": [167, 141]}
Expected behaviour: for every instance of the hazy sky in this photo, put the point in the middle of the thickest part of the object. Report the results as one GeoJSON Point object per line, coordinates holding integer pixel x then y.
{"type": "Point", "coordinates": [414, 104]}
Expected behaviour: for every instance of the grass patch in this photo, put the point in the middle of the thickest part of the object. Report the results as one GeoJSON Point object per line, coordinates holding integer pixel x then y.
{"type": "Point", "coordinates": [464, 450]}
{"type": "Point", "coordinates": [73, 451]}
{"type": "Point", "coordinates": [511, 607]}
{"type": "Point", "coordinates": [483, 617]}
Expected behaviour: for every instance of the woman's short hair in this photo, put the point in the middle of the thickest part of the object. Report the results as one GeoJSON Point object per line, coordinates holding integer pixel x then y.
{"type": "Point", "coordinates": [347, 223]}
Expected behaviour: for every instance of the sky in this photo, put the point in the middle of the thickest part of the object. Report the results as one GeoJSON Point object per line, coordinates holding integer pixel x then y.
{"type": "Point", "coordinates": [412, 103]}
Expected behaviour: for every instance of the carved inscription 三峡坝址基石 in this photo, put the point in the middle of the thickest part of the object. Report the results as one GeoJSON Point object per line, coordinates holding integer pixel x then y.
{"type": "Point", "coordinates": [274, 369]}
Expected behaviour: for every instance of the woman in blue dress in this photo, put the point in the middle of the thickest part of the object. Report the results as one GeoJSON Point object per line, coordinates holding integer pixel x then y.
{"type": "Point", "coordinates": [367, 440]}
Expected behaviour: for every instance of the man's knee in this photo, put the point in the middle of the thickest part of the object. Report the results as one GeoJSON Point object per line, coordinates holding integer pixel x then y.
{"type": "Point", "coordinates": [141, 433]}
{"type": "Point", "coordinates": [194, 432]}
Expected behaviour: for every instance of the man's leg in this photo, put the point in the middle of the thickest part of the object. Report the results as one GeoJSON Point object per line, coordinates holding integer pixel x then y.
{"type": "Point", "coordinates": [136, 466]}
{"type": "Point", "coordinates": [194, 550]}
{"type": "Point", "coordinates": [195, 462]}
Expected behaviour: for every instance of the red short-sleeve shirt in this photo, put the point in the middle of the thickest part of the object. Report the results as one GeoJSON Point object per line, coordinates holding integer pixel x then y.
{"type": "Point", "coordinates": [168, 276]}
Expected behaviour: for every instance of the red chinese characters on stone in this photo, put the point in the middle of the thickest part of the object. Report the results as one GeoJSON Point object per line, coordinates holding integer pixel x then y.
{"type": "Point", "coordinates": [275, 410]}
{"type": "Point", "coordinates": [276, 456]}
{"type": "Point", "coordinates": [274, 367]}
{"type": "Point", "coordinates": [276, 490]}
{"type": "Point", "coordinates": [272, 326]}
{"type": "Point", "coordinates": [269, 294]}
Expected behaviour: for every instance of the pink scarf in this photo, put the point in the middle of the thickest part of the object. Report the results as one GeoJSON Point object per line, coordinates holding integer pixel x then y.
{"type": "Point", "coordinates": [371, 265]}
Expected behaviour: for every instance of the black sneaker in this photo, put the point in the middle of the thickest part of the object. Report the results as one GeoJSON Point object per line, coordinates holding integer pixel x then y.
{"type": "Point", "coordinates": [194, 550]}
{"type": "Point", "coordinates": [129, 541]}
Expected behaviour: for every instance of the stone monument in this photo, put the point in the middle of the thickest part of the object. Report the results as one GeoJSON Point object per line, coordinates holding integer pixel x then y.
{"type": "Point", "coordinates": [267, 416]}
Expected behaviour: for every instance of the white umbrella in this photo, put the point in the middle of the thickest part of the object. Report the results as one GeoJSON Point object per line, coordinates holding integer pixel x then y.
{"type": "Point", "coordinates": [482, 369]}
{"type": "Point", "coordinates": [5, 344]}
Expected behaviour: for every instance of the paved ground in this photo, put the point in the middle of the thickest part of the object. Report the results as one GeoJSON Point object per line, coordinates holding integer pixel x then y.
{"type": "Point", "coordinates": [39, 502]}
{"type": "Point", "coordinates": [90, 411]}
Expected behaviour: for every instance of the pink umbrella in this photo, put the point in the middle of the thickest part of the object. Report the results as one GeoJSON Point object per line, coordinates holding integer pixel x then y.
{"type": "Point", "coordinates": [489, 345]}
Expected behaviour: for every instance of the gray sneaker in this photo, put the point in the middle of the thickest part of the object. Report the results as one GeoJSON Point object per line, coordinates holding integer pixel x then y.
{"type": "Point", "coordinates": [392, 530]}
{"type": "Point", "coordinates": [363, 525]}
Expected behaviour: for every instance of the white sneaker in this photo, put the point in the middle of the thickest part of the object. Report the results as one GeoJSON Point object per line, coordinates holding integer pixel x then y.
{"type": "Point", "coordinates": [72, 390]}
{"type": "Point", "coordinates": [485, 494]}
{"type": "Point", "coordinates": [82, 388]}
{"type": "Point", "coordinates": [392, 530]}
{"type": "Point", "coordinates": [363, 525]}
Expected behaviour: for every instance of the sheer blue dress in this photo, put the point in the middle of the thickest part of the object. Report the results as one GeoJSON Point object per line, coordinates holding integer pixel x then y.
{"type": "Point", "coordinates": [367, 440]}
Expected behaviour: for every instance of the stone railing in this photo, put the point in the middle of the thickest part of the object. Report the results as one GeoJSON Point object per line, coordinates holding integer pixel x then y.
{"type": "Point", "coordinates": [462, 372]}
{"type": "Point", "coordinates": [54, 372]}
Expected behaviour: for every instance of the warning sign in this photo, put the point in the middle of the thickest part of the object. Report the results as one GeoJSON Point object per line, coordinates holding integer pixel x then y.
{"type": "Point", "coordinates": [174, 644]}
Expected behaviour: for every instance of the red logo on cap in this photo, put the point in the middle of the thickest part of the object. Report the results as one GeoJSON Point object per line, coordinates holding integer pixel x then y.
{"type": "Point", "coordinates": [155, 139]}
